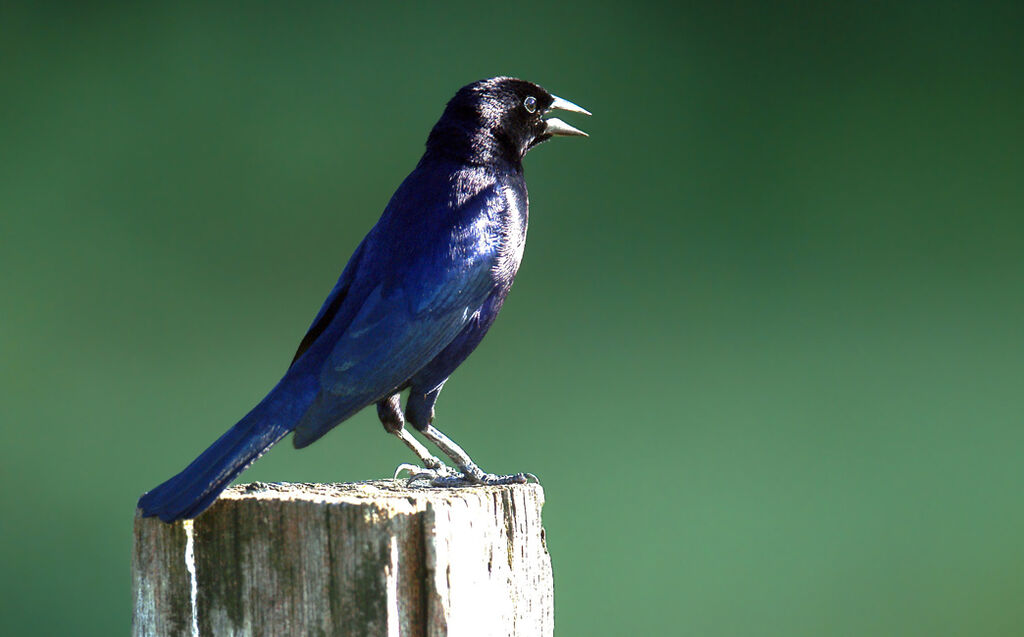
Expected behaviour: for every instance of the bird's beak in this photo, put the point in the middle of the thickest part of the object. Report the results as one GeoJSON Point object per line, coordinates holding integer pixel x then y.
{"type": "Point", "coordinates": [555, 126]}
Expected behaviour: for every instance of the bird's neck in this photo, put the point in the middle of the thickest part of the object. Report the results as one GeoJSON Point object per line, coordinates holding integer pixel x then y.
{"type": "Point", "coordinates": [473, 145]}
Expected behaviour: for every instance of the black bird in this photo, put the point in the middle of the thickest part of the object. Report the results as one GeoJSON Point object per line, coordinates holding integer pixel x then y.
{"type": "Point", "coordinates": [414, 301]}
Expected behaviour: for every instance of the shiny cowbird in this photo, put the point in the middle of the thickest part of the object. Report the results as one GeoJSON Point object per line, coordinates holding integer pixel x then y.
{"type": "Point", "coordinates": [414, 301]}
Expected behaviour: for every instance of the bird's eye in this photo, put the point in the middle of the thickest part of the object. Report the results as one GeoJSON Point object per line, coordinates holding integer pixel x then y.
{"type": "Point", "coordinates": [530, 104]}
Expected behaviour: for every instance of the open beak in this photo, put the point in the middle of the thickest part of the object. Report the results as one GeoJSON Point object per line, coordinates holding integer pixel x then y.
{"type": "Point", "coordinates": [556, 126]}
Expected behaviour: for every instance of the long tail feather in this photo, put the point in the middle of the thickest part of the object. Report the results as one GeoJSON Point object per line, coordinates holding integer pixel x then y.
{"type": "Point", "coordinates": [189, 493]}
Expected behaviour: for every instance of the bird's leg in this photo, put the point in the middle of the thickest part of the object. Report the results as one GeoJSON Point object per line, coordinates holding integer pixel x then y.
{"type": "Point", "coordinates": [471, 474]}
{"type": "Point", "coordinates": [390, 413]}
{"type": "Point", "coordinates": [419, 413]}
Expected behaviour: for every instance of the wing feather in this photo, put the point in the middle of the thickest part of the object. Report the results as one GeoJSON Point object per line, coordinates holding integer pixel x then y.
{"type": "Point", "coordinates": [396, 316]}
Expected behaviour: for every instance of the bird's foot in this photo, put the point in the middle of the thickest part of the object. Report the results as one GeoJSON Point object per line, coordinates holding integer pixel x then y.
{"type": "Point", "coordinates": [433, 469]}
{"type": "Point", "coordinates": [472, 475]}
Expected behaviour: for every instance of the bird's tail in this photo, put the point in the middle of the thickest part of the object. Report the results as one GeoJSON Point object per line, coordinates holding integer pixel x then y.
{"type": "Point", "coordinates": [189, 493]}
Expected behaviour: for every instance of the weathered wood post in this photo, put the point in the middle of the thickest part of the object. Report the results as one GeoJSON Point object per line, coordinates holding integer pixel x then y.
{"type": "Point", "coordinates": [372, 558]}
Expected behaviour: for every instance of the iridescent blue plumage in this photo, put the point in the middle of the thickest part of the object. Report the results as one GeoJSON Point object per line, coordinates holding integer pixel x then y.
{"type": "Point", "coordinates": [425, 274]}
{"type": "Point", "coordinates": [415, 299]}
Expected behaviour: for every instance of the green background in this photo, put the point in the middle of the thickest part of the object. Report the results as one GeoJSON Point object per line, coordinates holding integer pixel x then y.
{"type": "Point", "coordinates": [765, 351]}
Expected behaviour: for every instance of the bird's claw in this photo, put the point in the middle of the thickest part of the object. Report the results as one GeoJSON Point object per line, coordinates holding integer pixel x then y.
{"type": "Point", "coordinates": [472, 475]}
{"type": "Point", "coordinates": [487, 480]}
{"type": "Point", "coordinates": [411, 468]}
{"type": "Point", "coordinates": [445, 476]}
{"type": "Point", "coordinates": [431, 464]}
{"type": "Point", "coordinates": [432, 473]}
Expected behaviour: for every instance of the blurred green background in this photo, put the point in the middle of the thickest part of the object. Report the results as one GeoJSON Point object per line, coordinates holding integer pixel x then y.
{"type": "Point", "coordinates": [765, 350]}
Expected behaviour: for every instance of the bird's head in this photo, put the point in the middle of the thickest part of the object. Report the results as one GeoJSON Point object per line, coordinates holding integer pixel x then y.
{"type": "Point", "coordinates": [500, 118]}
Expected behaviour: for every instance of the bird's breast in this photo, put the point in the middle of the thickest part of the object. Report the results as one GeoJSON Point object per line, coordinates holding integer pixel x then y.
{"type": "Point", "coordinates": [489, 211]}
{"type": "Point", "coordinates": [511, 239]}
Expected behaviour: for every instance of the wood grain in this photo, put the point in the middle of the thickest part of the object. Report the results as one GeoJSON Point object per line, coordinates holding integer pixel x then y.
{"type": "Point", "coordinates": [371, 558]}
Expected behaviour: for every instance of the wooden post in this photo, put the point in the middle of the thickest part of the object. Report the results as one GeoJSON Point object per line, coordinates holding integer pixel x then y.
{"type": "Point", "coordinates": [371, 558]}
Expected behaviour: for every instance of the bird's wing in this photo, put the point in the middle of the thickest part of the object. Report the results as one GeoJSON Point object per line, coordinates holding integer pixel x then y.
{"type": "Point", "coordinates": [397, 332]}
{"type": "Point", "coordinates": [403, 306]}
{"type": "Point", "coordinates": [332, 304]}
{"type": "Point", "coordinates": [392, 336]}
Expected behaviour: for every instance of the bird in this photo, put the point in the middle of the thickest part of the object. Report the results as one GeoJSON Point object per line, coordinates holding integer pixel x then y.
{"type": "Point", "coordinates": [414, 300]}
